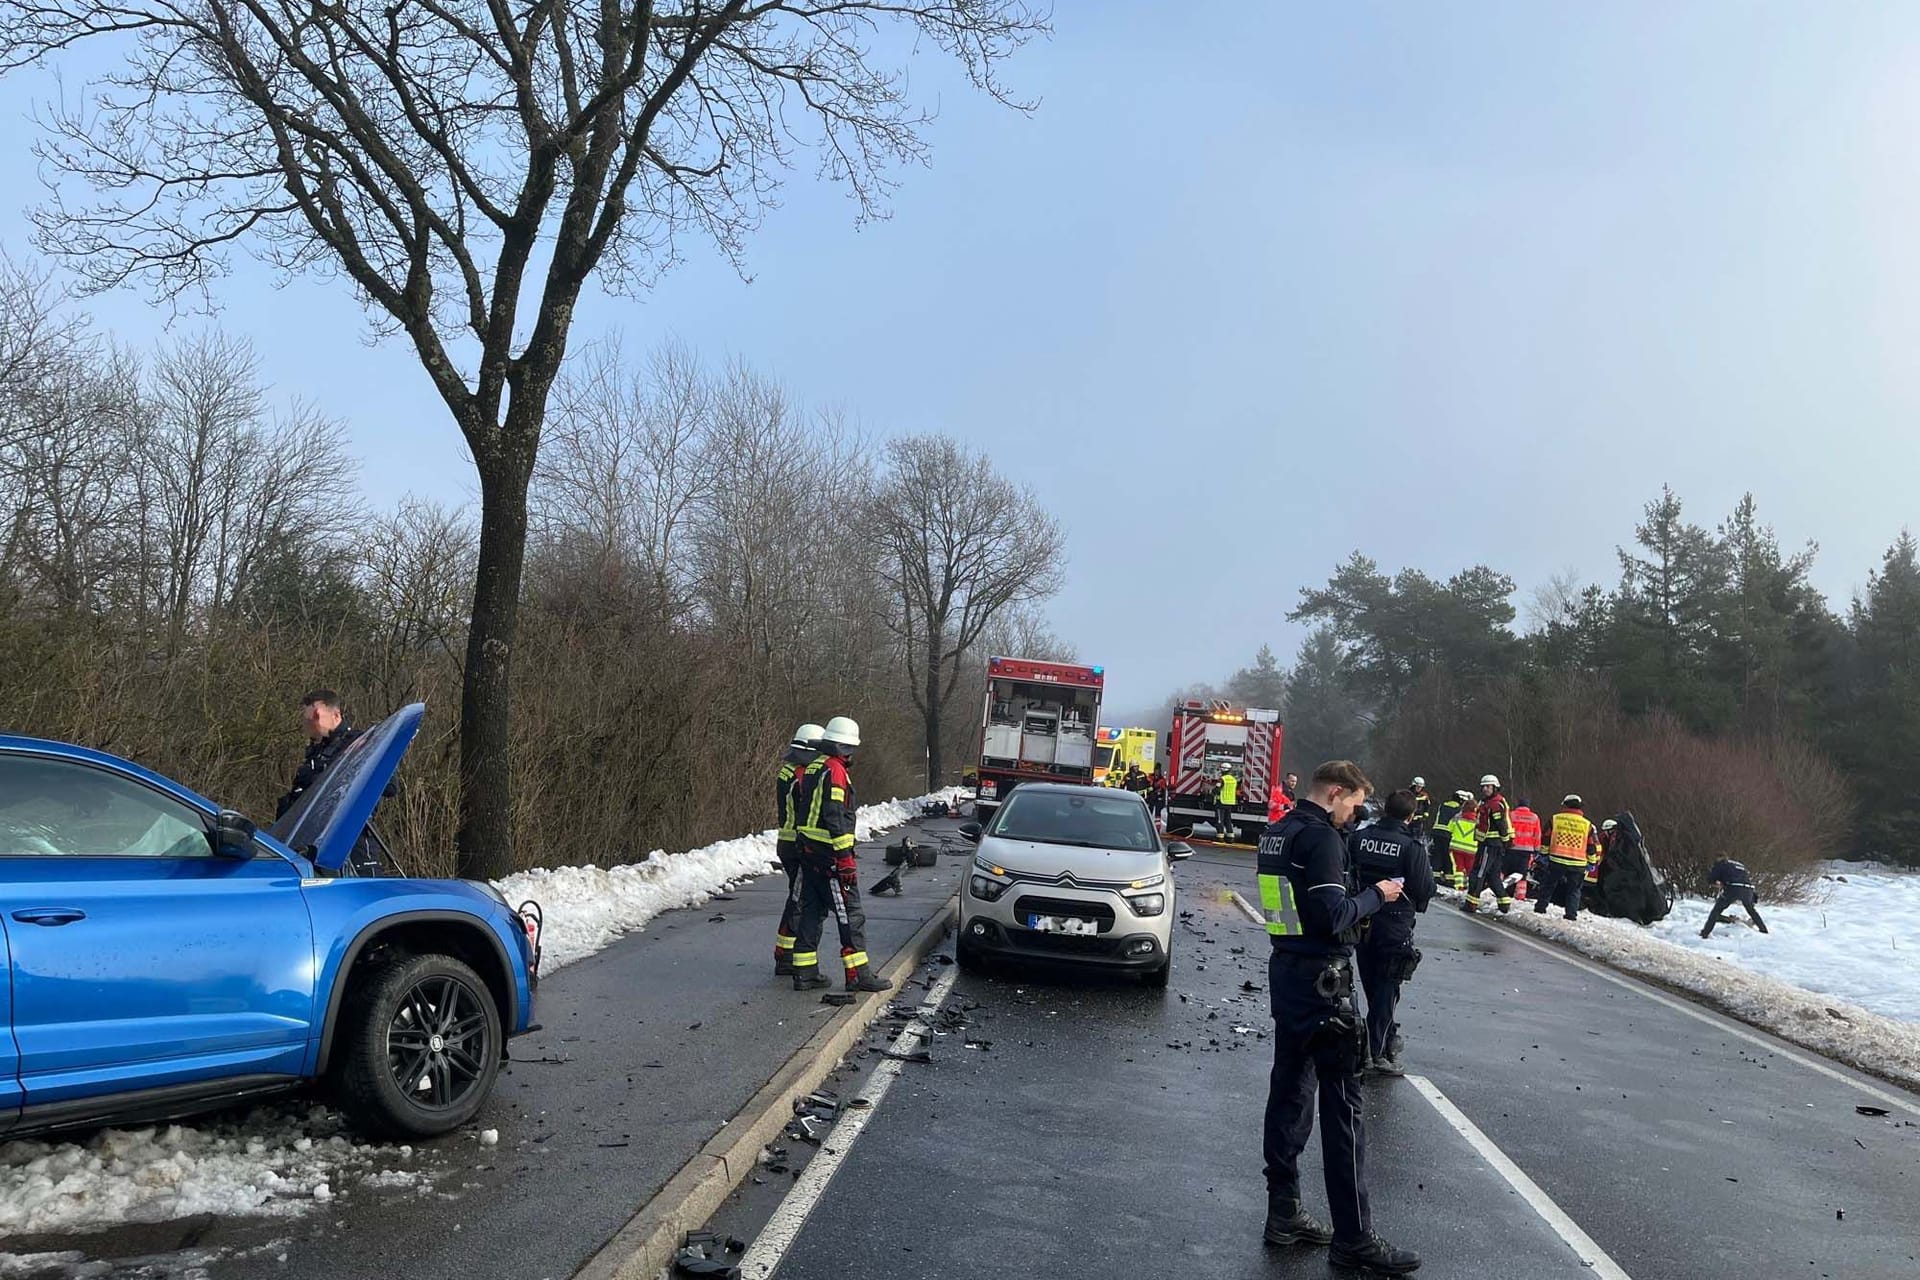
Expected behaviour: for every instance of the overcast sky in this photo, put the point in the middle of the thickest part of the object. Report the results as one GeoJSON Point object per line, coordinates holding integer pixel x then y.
{"type": "Point", "coordinates": [1260, 284]}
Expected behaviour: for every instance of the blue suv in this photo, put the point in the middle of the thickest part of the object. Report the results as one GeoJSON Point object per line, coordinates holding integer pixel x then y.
{"type": "Point", "coordinates": [160, 956]}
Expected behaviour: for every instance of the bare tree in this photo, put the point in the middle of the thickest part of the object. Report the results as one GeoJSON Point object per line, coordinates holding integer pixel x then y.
{"type": "Point", "coordinates": [468, 165]}
{"type": "Point", "coordinates": [962, 544]}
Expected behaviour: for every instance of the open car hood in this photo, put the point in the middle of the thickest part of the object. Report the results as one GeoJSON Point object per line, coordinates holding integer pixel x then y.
{"type": "Point", "coordinates": [329, 817]}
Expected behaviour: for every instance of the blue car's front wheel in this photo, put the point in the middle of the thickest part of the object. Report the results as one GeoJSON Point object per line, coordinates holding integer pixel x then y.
{"type": "Point", "coordinates": [423, 1046]}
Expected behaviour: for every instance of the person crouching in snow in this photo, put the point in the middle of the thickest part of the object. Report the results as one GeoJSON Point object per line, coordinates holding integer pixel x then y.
{"type": "Point", "coordinates": [1735, 885]}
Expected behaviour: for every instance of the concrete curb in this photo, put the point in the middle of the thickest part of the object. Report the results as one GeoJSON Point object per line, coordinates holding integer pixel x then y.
{"type": "Point", "coordinates": [644, 1248]}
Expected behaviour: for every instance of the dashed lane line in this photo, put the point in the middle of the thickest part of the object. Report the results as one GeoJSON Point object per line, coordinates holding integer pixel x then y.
{"type": "Point", "coordinates": [1591, 1255]}
{"type": "Point", "coordinates": [783, 1228]}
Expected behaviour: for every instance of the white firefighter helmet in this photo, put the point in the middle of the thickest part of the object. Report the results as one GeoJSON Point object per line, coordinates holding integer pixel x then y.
{"type": "Point", "coordinates": [1488, 780]}
{"type": "Point", "coordinates": [1419, 782]}
{"type": "Point", "coordinates": [808, 735]}
{"type": "Point", "coordinates": [841, 731]}
{"type": "Point", "coordinates": [1463, 794]}
{"type": "Point", "coordinates": [1571, 800]}
{"type": "Point", "coordinates": [1608, 825]}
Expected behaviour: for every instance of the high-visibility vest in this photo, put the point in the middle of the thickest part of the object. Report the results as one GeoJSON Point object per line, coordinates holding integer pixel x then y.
{"type": "Point", "coordinates": [1229, 789]}
{"type": "Point", "coordinates": [1572, 835]}
{"type": "Point", "coordinates": [1526, 830]}
{"type": "Point", "coordinates": [1463, 836]}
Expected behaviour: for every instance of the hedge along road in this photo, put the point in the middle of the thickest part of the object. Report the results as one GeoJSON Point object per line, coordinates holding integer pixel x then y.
{"type": "Point", "coordinates": [1562, 1124]}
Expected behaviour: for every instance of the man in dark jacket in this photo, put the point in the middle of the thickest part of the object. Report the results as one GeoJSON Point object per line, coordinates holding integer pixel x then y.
{"type": "Point", "coordinates": [1312, 916]}
{"type": "Point", "coordinates": [1735, 885]}
{"type": "Point", "coordinates": [799, 754]}
{"type": "Point", "coordinates": [328, 734]}
{"type": "Point", "coordinates": [1391, 849]}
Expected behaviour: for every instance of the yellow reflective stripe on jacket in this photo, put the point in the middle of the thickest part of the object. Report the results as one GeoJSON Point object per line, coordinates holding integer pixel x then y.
{"type": "Point", "coordinates": [1276, 903]}
{"type": "Point", "coordinates": [789, 777]}
{"type": "Point", "coordinates": [817, 797]}
{"type": "Point", "coordinates": [1463, 835]}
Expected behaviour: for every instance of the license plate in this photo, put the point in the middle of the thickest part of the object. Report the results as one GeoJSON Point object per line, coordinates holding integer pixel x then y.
{"type": "Point", "coordinates": [1073, 926]}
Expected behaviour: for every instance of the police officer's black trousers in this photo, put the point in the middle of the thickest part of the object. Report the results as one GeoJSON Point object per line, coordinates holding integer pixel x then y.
{"type": "Point", "coordinates": [1300, 1074]}
{"type": "Point", "coordinates": [1742, 894]}
{"type": "Point", "coordinates": [1378, 957]}
{"type": "Point", "coordinates": [1562, 876]}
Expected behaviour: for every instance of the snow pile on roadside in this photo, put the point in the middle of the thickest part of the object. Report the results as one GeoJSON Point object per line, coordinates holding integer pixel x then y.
{"type": "Point", "coordinates": [1858, 939]}
{"type": "Point", "coordinates": [1837, 1028]}
{"type": "Point", "coordinates": [272, 1162]}
{"type": "Point", "coordinates": [588, 907]}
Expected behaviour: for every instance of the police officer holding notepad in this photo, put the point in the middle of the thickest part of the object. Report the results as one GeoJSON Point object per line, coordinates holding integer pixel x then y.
{"type": "Point", "coordinates": [1313, 918]}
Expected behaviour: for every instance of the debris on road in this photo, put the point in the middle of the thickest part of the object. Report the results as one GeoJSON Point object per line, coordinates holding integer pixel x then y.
{"type": "Point", "coordinates": [1865, 1110]}
{"type": "Point", "coordinates": [707, 1254]}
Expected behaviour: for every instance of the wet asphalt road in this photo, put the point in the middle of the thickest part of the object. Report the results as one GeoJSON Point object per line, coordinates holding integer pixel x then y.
{"type": "Point", "coordinates": [1110, 1130]}
{"type": "Point", "coordinates": [649, 1047]}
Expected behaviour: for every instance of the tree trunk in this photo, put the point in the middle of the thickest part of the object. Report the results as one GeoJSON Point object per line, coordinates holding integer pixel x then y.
{"type": "Point", "coordinates": [935, 762]}
{"type": "Point", "coordinates": [485, 840]}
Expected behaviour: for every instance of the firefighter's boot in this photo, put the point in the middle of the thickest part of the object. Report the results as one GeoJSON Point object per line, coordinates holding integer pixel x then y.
{"type": "Point", "coordinates": [782, 955]}
{"type": "Point", "coordinates": [807, 975]}
{"type": "Point", "coordinates": [862, 978]}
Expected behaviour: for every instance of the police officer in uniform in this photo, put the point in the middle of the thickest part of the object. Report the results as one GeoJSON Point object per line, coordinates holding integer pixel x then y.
{"type": "Point", "coordinates": [1736, 886]}
{"type": "Point", "coordinates": [1312, 917]}
{"type": "Point", "coordinates": [1391, 849]}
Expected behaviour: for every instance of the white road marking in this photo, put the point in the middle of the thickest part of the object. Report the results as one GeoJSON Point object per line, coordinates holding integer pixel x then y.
{"type": "Point", "coordinates": [1717, 1021]}
{"type": "Point", "coordinates": [1590, 1254]}
{"type": "Point", "coordinates": [783, 1228]}
{"type": "Point", "coordinates": [1246, 906]}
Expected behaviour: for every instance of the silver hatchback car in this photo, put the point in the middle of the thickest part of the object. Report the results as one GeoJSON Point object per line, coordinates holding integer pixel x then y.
{"type": "Point", "coordinates": [1075, 873]}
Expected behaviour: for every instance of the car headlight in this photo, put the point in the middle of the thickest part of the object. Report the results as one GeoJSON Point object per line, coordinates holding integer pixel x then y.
{"type": "Point", "coordinates": [1147, 904]}
{"type": "Point", "coordinates": [986, 888]}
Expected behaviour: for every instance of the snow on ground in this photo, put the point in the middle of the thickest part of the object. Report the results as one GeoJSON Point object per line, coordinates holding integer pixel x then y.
{"type": "Point", "coordinates": [588, 907]}
{"type": "Point", "coordinates": [274, 1161]}
{"type": "Point", "coordinates": [1830, 1025]}
{"type": "Point", "coordinates": [1858, 938]}
{"type": "Point", "coordinates": [290, 1159]}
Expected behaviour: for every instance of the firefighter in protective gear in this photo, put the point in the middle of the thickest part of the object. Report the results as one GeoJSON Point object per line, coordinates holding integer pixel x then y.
{"type": "Point", "coordinates": [824, 807]}
{"type": "Point", "coordinates": [1494, 828]}
{"type": "Point", "coordinates": [1525, 849]}
{"type": "Point", "coordinates": [1440, 837]}
{"type": "Point", "coordinates": [798, 755]}
{"type": "Point", "coordinates": [1224, 800]}
{"type": "Point", "coordinates": [1604, 842]}
{"type": "Point", "coordinates": [1572, 844]}
{"type": "Point", "coordinates": [1463, 842]}
{"type": "Point", "coordinates": [1393, 848]}
{"type": "Point", "coordinates": [1422, 805]}
{"type": "Point", "coordinates": [1312, 916]}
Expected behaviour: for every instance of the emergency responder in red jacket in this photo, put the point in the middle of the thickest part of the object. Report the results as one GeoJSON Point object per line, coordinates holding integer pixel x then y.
{"type": "Point", "coordinates": [798, 755]}
{"type": "Point", "coordinates": [825, 808]}
{"type": "Point", "coordinates": [1495, 829]}
{"type": "Point", "coordinates": [1527, 842]}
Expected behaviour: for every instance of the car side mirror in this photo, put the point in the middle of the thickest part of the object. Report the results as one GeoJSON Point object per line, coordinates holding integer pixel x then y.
{"type": "Point", "coordinates": [232, 835]}
{"type": "Point", "coordinates": [1179, 851]}
{"type": "Point", "coordinates": [970, 831]}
